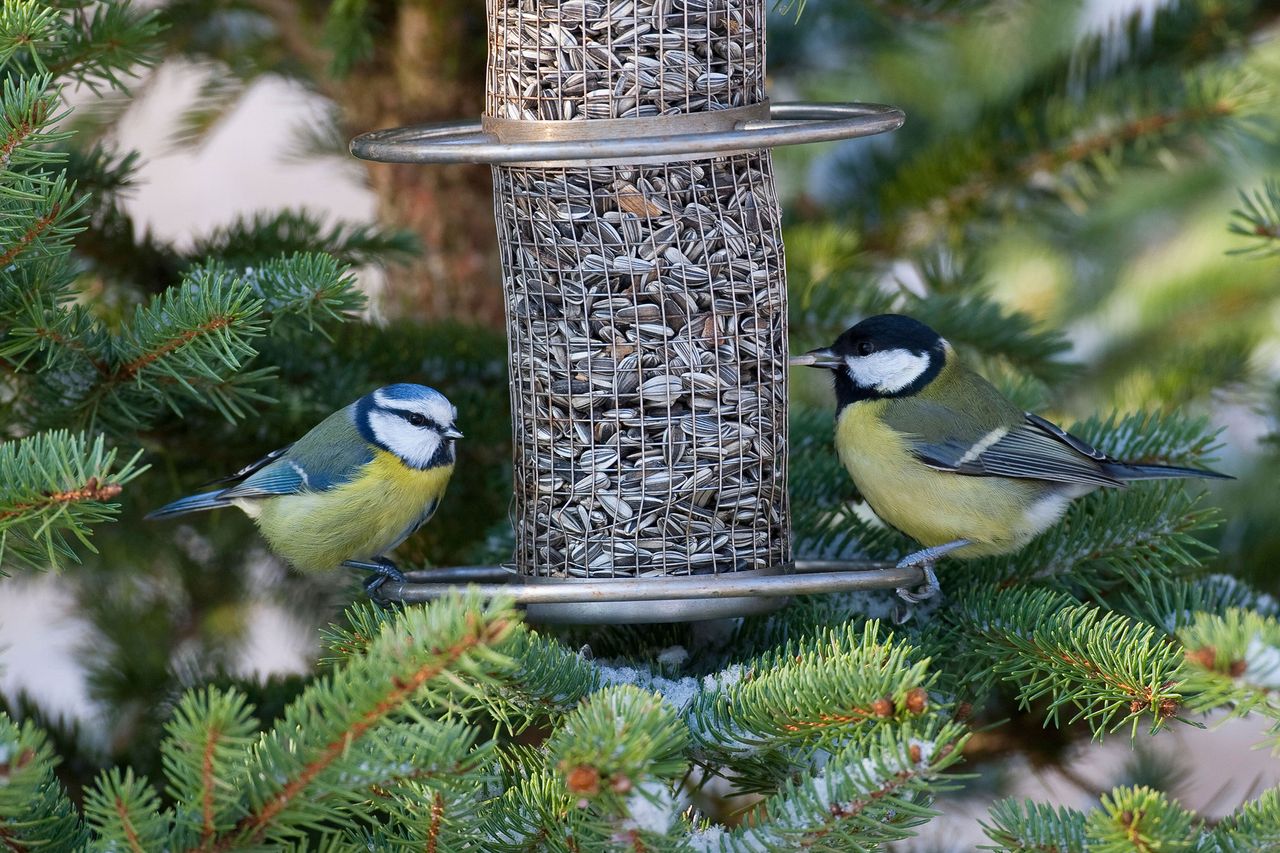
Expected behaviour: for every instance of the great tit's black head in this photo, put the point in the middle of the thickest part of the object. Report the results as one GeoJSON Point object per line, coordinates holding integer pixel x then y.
{"type": "Point", "coordinates": [414, 422]}
{"type": "Point", "coordinates": [888, 355]}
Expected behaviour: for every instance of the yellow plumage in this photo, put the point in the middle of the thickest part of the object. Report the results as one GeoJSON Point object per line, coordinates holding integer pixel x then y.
{"type": "Point", "coordinates": [359, 520]}
{"type": "Point", "coordinates": [936, 507]}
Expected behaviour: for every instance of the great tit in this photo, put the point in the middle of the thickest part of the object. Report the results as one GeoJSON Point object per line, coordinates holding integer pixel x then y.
{"type": "Point", "coordinates": [350, 490]}
{"type": "Point", "coordinates": [944, 457]}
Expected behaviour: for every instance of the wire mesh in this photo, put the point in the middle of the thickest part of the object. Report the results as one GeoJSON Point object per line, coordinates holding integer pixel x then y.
{"type": "Point", "coordinates": [646, 303]}
{"type": "Point", "coordinates": [594, 59]}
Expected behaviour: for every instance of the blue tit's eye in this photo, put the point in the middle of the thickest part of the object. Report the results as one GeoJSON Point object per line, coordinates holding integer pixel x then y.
{"type": "Point", "coordinates": [416, 419]}
{"type": "Point", "coordinates": [866, 348]}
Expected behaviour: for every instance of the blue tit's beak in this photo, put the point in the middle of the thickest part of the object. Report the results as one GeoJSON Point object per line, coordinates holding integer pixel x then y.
{"type": "Point", "coordinates": [821, 357]}
{"type": "Point", "coordinates": [452, 431]}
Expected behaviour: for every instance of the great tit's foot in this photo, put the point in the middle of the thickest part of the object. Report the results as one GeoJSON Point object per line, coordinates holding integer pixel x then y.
{"type": "Point", "coordinates": [380, 571]}
{"type": "Point", "coordinates": [924, 593]}
{"type": "Point", "coordinates": [924, 560]}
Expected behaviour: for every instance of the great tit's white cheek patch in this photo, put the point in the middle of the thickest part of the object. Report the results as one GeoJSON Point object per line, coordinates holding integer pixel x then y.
{"type": "Point", "coordinates": [887, 371]}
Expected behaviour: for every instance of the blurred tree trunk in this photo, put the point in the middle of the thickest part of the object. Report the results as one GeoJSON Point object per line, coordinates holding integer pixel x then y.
{"type": "Point", "coordinates": [428, 66]}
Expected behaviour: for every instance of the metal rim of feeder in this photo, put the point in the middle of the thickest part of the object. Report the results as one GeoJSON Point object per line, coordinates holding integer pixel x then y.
{"type": "Point", "coordinates": [640, 600]}
{"type": "Point", "coordinates": [568, 143]}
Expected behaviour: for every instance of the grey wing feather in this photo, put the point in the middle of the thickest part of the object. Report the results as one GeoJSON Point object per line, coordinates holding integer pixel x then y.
{"type": "Point", "coordinates": [1035, 450]}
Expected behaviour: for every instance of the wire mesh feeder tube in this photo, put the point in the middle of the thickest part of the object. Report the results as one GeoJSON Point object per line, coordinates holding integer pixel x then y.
{"type": "Point", "coordinates": [646, 302]}
{"type": "Point", "coordinates": [647, 315]}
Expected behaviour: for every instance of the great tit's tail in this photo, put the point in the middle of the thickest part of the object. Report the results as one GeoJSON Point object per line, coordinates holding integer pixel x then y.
{"type": "Point", "coordinates": [1121, 471]}
{"type": "Point", "coordinates": [191, 503]}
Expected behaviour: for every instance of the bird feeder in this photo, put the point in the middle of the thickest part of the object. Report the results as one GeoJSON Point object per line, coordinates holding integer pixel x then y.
{"type": "Point", "coordinates": [646, 304]}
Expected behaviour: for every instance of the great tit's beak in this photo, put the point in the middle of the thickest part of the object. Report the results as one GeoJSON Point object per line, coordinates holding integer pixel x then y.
{"type": "Point", "coordinates": [452, 432]}
{"type": "Point", "coordinates": [821, 357]}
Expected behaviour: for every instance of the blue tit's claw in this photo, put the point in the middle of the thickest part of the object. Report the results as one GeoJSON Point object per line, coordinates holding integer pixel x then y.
{"type": "Point", "coordinates": [380, 571]}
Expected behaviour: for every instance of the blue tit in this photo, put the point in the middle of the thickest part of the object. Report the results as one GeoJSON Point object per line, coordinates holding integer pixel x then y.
{"type": "Point", "coordinates": [353, 488]}
{"type": "Point", "coordinates": [944, 457]}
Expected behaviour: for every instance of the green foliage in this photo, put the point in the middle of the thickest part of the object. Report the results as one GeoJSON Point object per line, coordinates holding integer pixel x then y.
{"type": "Point", "coordinates": [1029, 827]}
{"type": "Point", "coordinates": [872, 792]}
{"type": "Point", "coordinates": [1258, 218]}
{"type": "Point", "coordinates": [35, 813]}
{"type": "Point", "coordinates": [1108, 669]}
{"type": "Point", "coordinates": [54, 485]}
{"type": "Point", "coordinates": [1132, 818]}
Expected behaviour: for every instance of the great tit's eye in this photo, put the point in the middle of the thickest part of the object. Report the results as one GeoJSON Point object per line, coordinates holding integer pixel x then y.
{"type": "Point", "coordinates": [866, 348]}
{"type": "Point", "coordinates": [416, 419]}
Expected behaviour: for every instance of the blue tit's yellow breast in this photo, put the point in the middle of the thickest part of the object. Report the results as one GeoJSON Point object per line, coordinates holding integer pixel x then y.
{"type": "Point", "coordinates": [933, 507]}
{"type": "Point", "coordinates": [358, 520]}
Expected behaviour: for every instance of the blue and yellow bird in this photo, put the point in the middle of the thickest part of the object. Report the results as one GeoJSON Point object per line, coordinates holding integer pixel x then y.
{"type": "Point", "coordinates": [353, 488]}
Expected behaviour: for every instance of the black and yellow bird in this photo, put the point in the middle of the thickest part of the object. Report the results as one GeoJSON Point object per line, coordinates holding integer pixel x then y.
{"type": "Point", "coordinates": [944, 457]}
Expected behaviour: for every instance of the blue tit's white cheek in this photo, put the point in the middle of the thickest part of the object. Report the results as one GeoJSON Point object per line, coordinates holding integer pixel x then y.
{"type": "Point", "coordinates": [887, 371]}
{"type": "Point", "coordinates": [415, 445]}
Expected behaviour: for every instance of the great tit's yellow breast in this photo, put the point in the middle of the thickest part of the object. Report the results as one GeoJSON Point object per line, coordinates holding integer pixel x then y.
{"type": "Point", "coordinates": [934, 507]}
{"type": "Point", "coordinates": [357, 521]}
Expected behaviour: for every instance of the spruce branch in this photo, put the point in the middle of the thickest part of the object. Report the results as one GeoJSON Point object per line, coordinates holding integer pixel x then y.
{"type": "Point", "coordinates": [1233, 660]}
{"type": "Point", "coordinates": [54, 485]}
{"type": "Point", "coordinates": [250, 240]}
{"type": "Point", "coordinates": [870, 793]}
{"type": "Point", "coordinates": [1028, 827]}
{"type": "Point", "coordinates": [979, 324]}
{"type": "Point", "coordinates": [1141, 819]}
{"type": "Point", "coordinates": [101, 46]}
{"type": "Point", "coordinates": [1108, 668]}
{"type": "Point", "coordinates": [29, 114]}
{"type": "Point", "coordinates": [310, 287]}
{"type": "Point", "coordinates": [35, 813]}
{"type": "Point", "coordinates": [124, 812]}
{"type": "Point", "coordinates": [1253, 826]}
{"type": "Point", "coordinates": [1174, 603]}
{"type": "Point", "coordinates": [1130, 537]}
{"type": "Point", "coordinates": [1258, 218]}
{"type": "Point", "coordinates": [1060, 146]}
{"type": "Point", "coordinates": [298, 772]}
{"type": "Point", "coordinates": [40, 225]}
{"type": "Point", "coordinates": [616, 738]}
{"type": "Point", "coordinates": [767, 717]}
{"type": "Point", "coordinates": [203, 753]}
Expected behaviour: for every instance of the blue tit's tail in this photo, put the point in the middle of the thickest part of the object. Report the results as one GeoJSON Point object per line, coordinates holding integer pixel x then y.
{"type": "Point", "coordinates": [1121, 471]}
{"type": "Point", "coordinates": [191, 503]}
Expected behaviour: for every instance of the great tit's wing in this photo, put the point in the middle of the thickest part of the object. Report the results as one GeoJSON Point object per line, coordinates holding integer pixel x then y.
{"type": "Point", "coordinates": [1035, 449]}
{"type": "Point", "coordinates": [251, 468]}
{"type": "Point", "coordinates": [330, 455]}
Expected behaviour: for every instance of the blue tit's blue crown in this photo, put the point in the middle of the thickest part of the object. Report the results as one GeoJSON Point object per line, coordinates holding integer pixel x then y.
{"type": "Point", "coordinates": [413, 422]}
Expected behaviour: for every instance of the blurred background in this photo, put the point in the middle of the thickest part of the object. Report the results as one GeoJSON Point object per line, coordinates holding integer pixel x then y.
{"type": "Point", "coordinates": [1091, 175]}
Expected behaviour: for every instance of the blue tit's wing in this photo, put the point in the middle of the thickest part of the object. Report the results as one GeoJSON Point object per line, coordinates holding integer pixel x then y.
{"type": "Point", "coordinates": [251, 468]}
{"type": "Point", "coordinates": [1033, 450]}
{"type": "Point", "coordinates": [328, 456]}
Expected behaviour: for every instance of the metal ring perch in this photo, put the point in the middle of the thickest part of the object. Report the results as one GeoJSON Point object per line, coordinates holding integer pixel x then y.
{"type": "Point", "coordinates": [568, 600]}
{"type": "Point", "coordinates": [470, 142]}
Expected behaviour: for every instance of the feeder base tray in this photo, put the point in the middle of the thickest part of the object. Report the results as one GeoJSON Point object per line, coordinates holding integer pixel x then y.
{"type": "Point", "coordinates": [650, 600]}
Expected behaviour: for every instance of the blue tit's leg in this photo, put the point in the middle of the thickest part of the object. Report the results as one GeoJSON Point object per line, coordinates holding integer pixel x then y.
{"type": "Point", "coordinates": [380, 570]}
{"type": "Point", "coordinates": [925, 559]}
